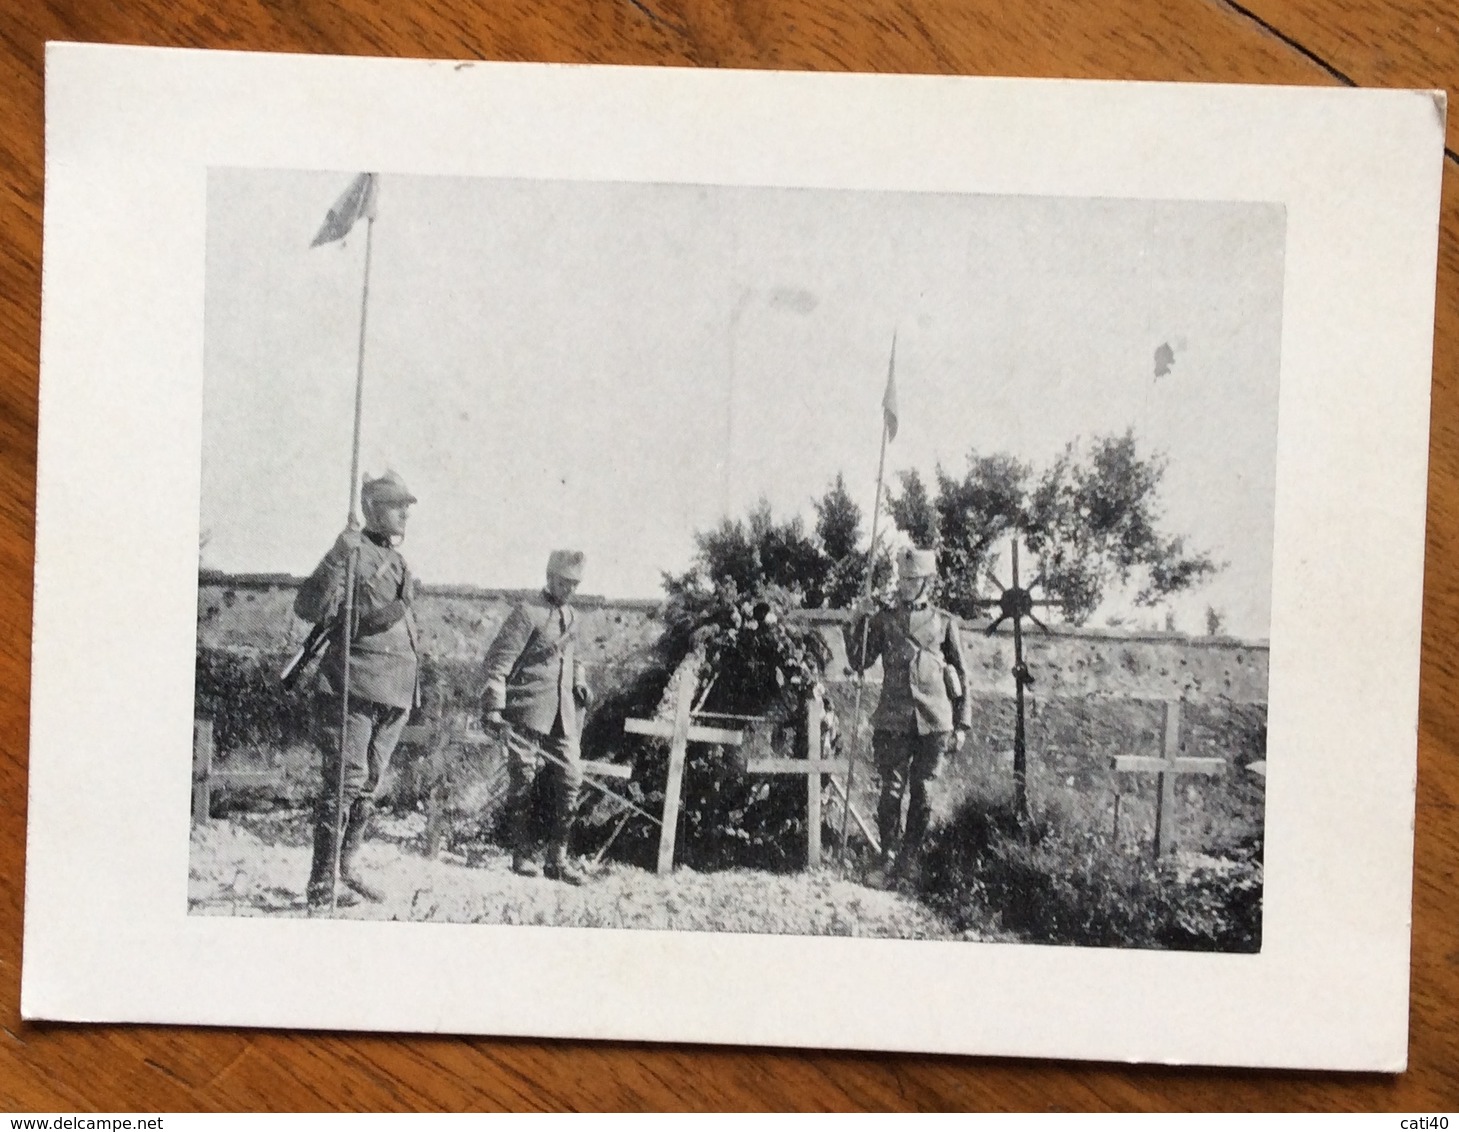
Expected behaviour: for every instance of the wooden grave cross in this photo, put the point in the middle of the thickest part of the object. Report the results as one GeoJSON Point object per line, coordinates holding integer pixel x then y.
{"type": "Point", "coordinates": [812, 767]}
{"type": "Point", "coordinates": [207, 777]}
{"type": "Point", "coordinates": [1169, 765]}
{"type": "Point", "coordinates": [680, 732]}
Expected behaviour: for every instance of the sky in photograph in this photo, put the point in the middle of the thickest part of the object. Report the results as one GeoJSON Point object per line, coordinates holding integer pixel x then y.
{"type": "Point", "coordinates": [614, 367]}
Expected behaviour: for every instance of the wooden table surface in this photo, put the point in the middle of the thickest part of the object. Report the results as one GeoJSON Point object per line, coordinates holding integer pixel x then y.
{"type": "Point", "coordinates": [1349, 42]}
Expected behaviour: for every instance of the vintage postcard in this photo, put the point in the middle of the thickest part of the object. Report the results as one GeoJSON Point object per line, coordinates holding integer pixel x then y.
{"type": "Point", "coordinates": [845, 561]}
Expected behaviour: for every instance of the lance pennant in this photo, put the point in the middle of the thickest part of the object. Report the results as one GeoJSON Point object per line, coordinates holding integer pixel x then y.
{"type": "Point", "coordinates": [889, 398]}
{"type": "Point", "coordinates": [356, 201]}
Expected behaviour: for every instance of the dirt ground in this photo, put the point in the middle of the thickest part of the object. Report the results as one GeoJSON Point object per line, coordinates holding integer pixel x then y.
{"type": "Point", "coordinates": [256, 865]}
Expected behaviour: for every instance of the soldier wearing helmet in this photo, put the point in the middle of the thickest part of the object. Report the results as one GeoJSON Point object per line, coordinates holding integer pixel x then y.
{"type": "Point", "coordinates": [924, 713]}
{"type": "Point", "coordinates": [384, 685]}
{"type": "Point", "coordinates": [534, 687]}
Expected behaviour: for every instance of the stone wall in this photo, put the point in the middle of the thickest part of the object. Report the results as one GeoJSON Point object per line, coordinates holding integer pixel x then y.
{"type": "Point", "coordinates": [1068, 662]}
{"type": "Point", "coordinates": [253, 613]}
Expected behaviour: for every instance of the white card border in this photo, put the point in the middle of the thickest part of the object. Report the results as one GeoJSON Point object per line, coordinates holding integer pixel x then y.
{"type": "Point", "coordinates": [130, 135]}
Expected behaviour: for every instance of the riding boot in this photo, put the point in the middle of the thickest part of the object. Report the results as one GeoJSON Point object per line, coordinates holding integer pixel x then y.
{"type": "Point", "coordinates": [889, 812]}
{"type": "Point", "coordinates": [880, 874]}
{"type": "Point", "coordinates": [355, 831]}
{"type": "Point", "coordinates": [564, 786]}
{"type": "Point", "coordinates": [523, 862]}
{"type": "Point", "coordinates": [560, 867]}
{"type": "Point", "coordinates": [908, 867]}
{"type": "Point", "coordinates": [919, 816]}
{"type": "Point", "coordinates": [519, 816]}
{"type": "Point", "coordinates": [321, 870]}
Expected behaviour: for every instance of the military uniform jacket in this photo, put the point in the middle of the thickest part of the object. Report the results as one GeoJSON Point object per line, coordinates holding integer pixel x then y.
{"type": "Point", "coordinates": [384, 649]}
{"type": "Point", "coordinates": [532, 667]}
{"type": "Point", "coordinates": [924, 675]}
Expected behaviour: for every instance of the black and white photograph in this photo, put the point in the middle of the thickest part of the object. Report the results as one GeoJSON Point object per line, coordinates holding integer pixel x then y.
{"type": "Point", "coordinates": [735, 559]}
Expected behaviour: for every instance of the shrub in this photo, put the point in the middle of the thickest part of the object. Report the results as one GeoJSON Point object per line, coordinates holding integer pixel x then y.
{"type": "Point", "coordinates": [255, 719]}
{"type": "Point", "coordinates": [241, 693]}
{"type": "Point", "coordinates": [1054, 881]}
{"type": "Point", "coordinates": [1220, 902]}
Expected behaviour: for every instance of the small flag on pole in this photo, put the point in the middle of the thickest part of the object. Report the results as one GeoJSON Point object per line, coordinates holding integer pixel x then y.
{"type": "Point", "coordinates": [889, 399]}
{"type": "Point", "coordinates": [356, 201]}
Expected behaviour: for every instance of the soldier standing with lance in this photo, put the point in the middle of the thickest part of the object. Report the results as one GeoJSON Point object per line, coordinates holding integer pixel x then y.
{"type": "Point", "coordinates": [383, 681]}
{"type": "Point", "coordinates": [924, 713]}
{"type": "Point", "coordinates": [534, 688]}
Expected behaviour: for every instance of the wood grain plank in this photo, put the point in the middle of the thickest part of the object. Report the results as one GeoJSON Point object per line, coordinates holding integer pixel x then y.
{"type": "Point", "coordinates": [115, 1067]}
{"type": "Point", "coordinates": [1381, 43]}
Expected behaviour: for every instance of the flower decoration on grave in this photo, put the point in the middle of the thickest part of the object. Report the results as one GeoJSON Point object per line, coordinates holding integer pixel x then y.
{"type": "Point", "coordinates": [752, 651]}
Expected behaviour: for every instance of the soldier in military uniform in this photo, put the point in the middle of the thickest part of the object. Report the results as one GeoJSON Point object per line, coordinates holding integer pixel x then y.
{"type": "Point", "coordinates": [924, 713]}
{"type": "Point", "coordinates": [534, 687]}
{"type": "Point", "coordinates": [384, 668]}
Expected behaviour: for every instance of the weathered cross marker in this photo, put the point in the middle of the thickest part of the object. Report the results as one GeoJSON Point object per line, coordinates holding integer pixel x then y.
{"type": "Point", "coordinates": [1168, 766]}
{"type": "Point", "coordinates": [681, 732]}
{"type": "Point", "coordinates": [206, 777]}
{"type": "Point", "coordinates": [812, 766]}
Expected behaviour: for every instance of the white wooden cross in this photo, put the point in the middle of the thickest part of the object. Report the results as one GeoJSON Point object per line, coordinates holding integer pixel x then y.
{"type": "Point", "coordinates": [812, 767]}
{"type": "Point", "coordinates": [207, 777]}
{"type": "Point", "coordinates": [1167, 766]}
{"type": "Point", "coordinates": [680, 732]}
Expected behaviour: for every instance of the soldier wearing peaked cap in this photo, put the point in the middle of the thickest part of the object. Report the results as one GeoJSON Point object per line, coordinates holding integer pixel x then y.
{"type": "Point", "coordinates": [384, 668]}
{"type": "Point", "coordinates": [534, 688]}
{"type": "Point", "coordinates": [924, 712]}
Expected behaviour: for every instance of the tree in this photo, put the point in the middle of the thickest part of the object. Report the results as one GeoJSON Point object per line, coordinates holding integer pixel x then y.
{"type": "Point", "coordinates": [913, 512]}
{"type": "Point", "coordinates": [751, 555]}
{"type": "Point", "coordinates": [755, 553]}
{"type": "Point", "coordinates": [838, 521]}
{"type": "Point", "coordinates": [973, 515]}
{"type": "Point", "coordinates": [1091, 517]}
{"type": "Point", "coordinates": [838, 526]}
